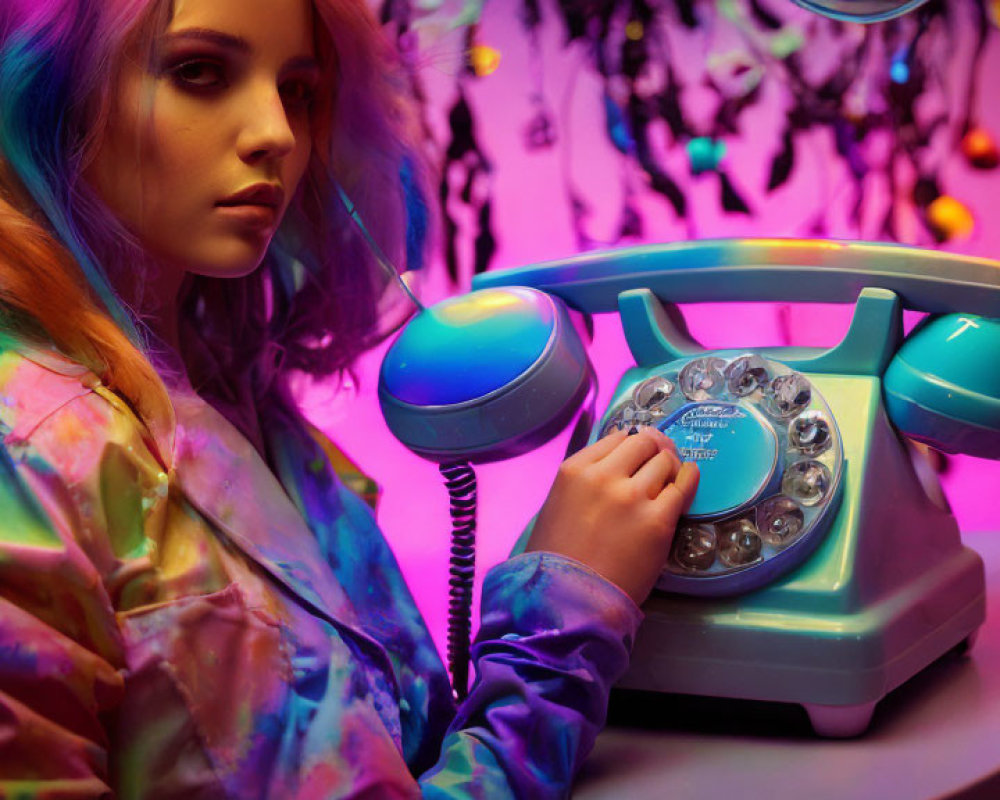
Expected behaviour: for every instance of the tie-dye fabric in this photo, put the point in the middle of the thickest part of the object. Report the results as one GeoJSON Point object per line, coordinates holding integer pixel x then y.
{"type": "Point", "coordinates": [178, 620]}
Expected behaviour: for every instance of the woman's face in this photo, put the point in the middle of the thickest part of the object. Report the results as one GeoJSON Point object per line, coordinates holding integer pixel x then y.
{"type": "Point", "coordinates": [202, 165]}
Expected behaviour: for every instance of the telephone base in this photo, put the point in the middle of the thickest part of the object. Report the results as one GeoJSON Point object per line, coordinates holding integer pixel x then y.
{"type": "Point", "coordinates": [835, 666]}
{"type": "Point", "coordinates": [890, 589]}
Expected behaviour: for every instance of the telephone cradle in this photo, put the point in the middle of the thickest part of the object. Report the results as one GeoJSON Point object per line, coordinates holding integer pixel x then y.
{"type": "Point", "coordinates": [816, 565]}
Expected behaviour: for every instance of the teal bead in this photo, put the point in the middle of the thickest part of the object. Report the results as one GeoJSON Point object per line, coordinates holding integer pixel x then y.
{"type": "Point", "coordinates": [705, 154]}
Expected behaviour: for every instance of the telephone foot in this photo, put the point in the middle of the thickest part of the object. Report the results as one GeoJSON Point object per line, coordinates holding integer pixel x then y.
{"type": "Point", "coordinates": [839, 722]}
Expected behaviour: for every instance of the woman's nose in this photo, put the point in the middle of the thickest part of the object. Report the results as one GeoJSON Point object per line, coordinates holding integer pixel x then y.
{"type": "Point", "coordinates": [267, 131]}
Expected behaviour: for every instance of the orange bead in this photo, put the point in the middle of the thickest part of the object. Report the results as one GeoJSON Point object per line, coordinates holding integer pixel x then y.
{"type": "Point", "coordinates": [979, 149]}
{"type": "Point", "coordinates": [484, 60]}
{"type": "Point", "coordinates": [950, 219]}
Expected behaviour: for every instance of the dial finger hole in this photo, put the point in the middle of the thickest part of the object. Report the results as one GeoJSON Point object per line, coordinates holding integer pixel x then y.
{"type": "Point", "coordinates": [652, 393]}
{"type": "Point", "coordinates": [787, 395]}
{"type": "Point", "coordinates": [613, 424]}
{"type": "Point", "coordinates": [808, 482]}
{"type": "Point", "coordinates": [810, 433]}
{"type": "Point", "coordinates": [779, 520]}
{"type": "Point", "coordinates": [739, 542]}
{"type": "Point", "coordinates": [702, 379]}
{"type": "Point", "coordinates": [745, 375]}
{"type": "Point", "coordinates": [694, 547]}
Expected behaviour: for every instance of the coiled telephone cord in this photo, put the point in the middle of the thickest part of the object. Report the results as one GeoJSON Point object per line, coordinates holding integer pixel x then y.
{"type": "Point", "coordinates": [460, 480]}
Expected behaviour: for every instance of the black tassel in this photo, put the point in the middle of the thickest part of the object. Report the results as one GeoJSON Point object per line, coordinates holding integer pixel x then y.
{"type": "Point", "coordinates": [783, 163]}
{"type": "Point", "coordinates": [731, 200]}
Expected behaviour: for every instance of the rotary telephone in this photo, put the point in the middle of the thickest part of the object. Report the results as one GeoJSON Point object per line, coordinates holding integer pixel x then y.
{"type": "Point", "coordinates": [812, 566]}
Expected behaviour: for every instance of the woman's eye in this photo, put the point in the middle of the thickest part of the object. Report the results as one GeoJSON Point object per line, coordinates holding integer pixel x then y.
{"type": "Point", "coordinates": [298, 93]}
{"type": "Point", "coordinates": [198, 75]}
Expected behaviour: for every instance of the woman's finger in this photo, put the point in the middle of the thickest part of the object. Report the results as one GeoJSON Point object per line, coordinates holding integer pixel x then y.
{"type": "Point", "coordinates": [635, 451]}
{"type": "Point", "coordinates": [598, 450]}
{"type": "Point", "coordinates": [657, 472]}
{"type": "Point", "coordinates": [687, 482]}
{"type": "Point", "coordinates": [677, 495]}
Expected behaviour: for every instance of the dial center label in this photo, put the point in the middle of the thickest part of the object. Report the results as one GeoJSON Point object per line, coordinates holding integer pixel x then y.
{"type": "Point", "coordinates": [736, 450]}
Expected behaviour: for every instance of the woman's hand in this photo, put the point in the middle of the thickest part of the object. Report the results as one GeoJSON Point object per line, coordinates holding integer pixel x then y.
{"type": "Point", "coordinates": [614, 506]}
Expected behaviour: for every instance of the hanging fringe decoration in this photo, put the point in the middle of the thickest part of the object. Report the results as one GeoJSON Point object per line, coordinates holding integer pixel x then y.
{"type": "Point", "coordinates": [465, 187]}
{"type": "Point", "coordinates": [899, 102]}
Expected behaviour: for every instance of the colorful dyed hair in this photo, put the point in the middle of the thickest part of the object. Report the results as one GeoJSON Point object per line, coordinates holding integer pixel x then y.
{"type": "Point", "coordinates": [66, 261]}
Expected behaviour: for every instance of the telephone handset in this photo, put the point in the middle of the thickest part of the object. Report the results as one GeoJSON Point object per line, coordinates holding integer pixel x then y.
{"type": "Point", "coordinates": [495, 372]}
{"type": "Point", "coordinates": [489, 374]}
{"type": "Point", "coordinates": [808, 510]}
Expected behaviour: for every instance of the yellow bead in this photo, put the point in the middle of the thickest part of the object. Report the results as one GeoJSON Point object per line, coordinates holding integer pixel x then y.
{"type": "Point", "coordinates": [950, 218]}
{"type": "Point", "coordinates": [484, 60]}
{"type": "Point", "coordinates": [634, 30]}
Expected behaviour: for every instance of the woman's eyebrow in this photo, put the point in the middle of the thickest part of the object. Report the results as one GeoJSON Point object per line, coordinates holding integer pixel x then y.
{"type": "Point", "coordinates": [237, 43]}
{"type": "Point", "coordinates": [210, 36]}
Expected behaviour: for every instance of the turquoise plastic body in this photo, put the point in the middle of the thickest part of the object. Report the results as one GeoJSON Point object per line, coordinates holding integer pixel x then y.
{"type": "Point", "coordinates": [890, 587]}
{"type": "Point", "coordinates": [887, 590]}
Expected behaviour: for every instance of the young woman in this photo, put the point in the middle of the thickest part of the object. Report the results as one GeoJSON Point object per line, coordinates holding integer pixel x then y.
{"type": "Point", "coordinates": [191, 605]}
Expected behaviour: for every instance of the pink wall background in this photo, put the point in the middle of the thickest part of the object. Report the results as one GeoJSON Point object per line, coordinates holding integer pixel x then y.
{"type": "Point", "coordinates": [532, 223]}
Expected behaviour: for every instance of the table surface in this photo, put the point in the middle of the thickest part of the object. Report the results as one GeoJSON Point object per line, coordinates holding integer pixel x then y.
{"type": "Point", "coordinates": [936, 736]}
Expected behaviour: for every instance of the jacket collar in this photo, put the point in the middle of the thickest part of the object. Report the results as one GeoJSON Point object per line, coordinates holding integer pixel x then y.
{"type": "Point", "coordinates": [226, 479]}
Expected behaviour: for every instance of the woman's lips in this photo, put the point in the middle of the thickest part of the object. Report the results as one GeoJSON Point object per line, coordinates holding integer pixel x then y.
{"type": "Point", "coordinates": [250, 215]}
{"type": "Point", "coordinates": [257, 194]}
{"type": "Point", "coordinates": [255, 207]}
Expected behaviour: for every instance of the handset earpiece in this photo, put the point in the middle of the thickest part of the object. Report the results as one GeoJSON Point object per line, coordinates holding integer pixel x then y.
{"type": "Point", "coordinates": [484, 376]}
{"type": "Point", "coordinates": [943, 386]}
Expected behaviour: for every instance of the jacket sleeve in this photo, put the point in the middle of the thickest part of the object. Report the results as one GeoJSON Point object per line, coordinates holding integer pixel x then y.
{"type": "Point", "coordinates": [554, 637]}
{"type": "Point", "coordinates": [60, 652]}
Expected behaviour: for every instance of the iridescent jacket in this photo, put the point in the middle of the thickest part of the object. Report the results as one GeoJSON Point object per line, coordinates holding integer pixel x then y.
{"type": "Point", "coordinates": [177, 619]}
